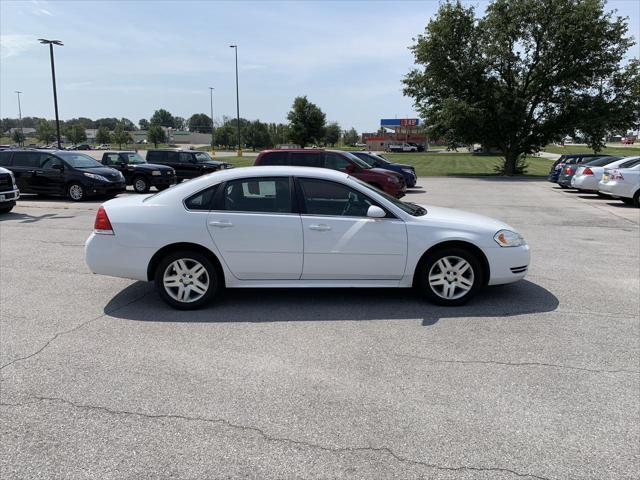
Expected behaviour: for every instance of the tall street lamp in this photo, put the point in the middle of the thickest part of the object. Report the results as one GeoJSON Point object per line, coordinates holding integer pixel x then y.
{"type": "Point", "coordinates": [51, 43]}
{"type": "Point", "coordinates": [213, 151]}
{"type": "Point", "coordinates": [20, 117]}
{"type": "Point", "coordinates": [235, 47]}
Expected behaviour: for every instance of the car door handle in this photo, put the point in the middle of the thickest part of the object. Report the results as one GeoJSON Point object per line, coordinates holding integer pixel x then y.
{"type": "Point", "coordinates": [221, 224]}
{"type": "Point", "coordinates": [321, 228]}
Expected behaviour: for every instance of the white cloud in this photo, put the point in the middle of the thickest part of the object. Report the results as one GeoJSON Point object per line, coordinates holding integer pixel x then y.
{"type": "Point", "coordinates": [14, 45]}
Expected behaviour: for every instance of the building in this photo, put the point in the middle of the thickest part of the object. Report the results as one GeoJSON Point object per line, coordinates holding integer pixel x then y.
{"type": "Point", "coordinates": [396, 130]}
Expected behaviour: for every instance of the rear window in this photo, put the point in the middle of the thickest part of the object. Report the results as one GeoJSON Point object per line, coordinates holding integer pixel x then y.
{"type": "Point", "coordinates": [202, 200]}
{"type": "Point", "coordinates": [154, 157]}
{"type": "Point", "coordinates": [602, 161]}
{"type": "Point", "coordinates": [631, 163]}
{"type": "Point", "coordinates": [26, 159]}
{"type": "Point", "coordinates": [274, 158]}
{"type": "Point", "coordinates": [304, 159]}
{"type": "Point", "coordinates": [5, 158]}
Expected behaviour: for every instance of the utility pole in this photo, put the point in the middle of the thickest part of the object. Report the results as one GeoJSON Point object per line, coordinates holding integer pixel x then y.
{"type": "Point", "coordinates": [239, 152]}
{"type": "Point", "coordinates": [213, 150]}
{"type": "Point", "coordinates": [20, 117]}
{"type": "Point", "coordinates": [51, 43]}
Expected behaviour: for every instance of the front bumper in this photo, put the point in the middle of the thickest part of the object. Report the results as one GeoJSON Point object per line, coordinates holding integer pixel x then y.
{"type": "Point", "coordinates": [111, 188]}
{"type": "Point", "coordinates": [162, 180]}
{"type": "Point", "coordinates": [9, 195]}
{"type": "Point", "coordinates": [507, 264]}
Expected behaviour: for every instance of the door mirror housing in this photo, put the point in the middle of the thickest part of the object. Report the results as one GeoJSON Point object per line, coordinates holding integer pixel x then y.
{"type": "Point", "coordinates": [57, 166]}
{"type": "Point", "coordinates": [376, 212]}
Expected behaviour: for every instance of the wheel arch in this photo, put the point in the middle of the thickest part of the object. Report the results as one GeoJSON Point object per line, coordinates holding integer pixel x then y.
{"type": "Point", "coordinates": [173, 247]}
{"type": "Point", "coordinates": [474, 249]}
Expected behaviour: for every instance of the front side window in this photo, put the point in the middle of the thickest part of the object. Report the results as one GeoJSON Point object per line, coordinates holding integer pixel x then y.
{"type": "Point", "coordinates": [335, 161]}
{"type": "Point", "coordinates": [269, 195]}
{"type": "Point", "coordinates": [132, 158]}
{"type": "Point", "coordinates": [111, 159]}
{"type": "Point", "coordinates": [50, 162]}
{"type": "Point", "coordinates": [203, 157]}
{"type": "Point", "coordinates": [202, 200]}
{"type": "Point", "coordinates": [79, 160]}
{"type": "Point", "coordinates": [322, 197]}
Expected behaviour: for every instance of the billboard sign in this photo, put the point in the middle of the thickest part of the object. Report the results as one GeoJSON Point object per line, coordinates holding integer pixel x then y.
{"type": "Point", "coordinates": [399, 122]}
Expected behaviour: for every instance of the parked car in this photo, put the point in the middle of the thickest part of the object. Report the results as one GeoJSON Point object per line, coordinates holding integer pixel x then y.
{"type": "Point", "coordinates": [82, 146]}
{"type": "Point", "coordinates": [9, 193]}
{"type": "Point", "coordinates": [420, 148]}
{"type": "Point", "coordinates": [623, 182]}
{"type": "Point", "coordinates": [569, 169]}
{"type": "Point", "coordinates": [590, 173]}
{"type": "Point", "coordinates": [401, 147]}
{"type": "Point", "coordinates": [376, 161]}
{"type": "Point", "coordinates": [573, 159]}
{"type": "Point", "coordinates": [138, 172]}
{"type": "Point", "coordinates": [298, 227]}
{"type": "Point", "coordinates": [103, 146]}
{"type": "Point", "coordinates": [186, 163]}
{"type": "Point", "coordinates": [61, 172]}
{"type": "Point", "coordinates": [391, 182]}
{"type": "Point", "coordinates": [628, 140]}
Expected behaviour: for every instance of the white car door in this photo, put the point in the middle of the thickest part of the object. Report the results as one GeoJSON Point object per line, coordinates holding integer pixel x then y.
{"type": "Point", "coordinates": [341, 242]}
{"type": "Point", "coordinates": [255, 230]}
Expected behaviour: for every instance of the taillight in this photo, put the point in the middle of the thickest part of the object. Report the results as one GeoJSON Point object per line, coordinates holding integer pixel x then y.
{"type": "Point", "coordinates": [568, 170]}
{"type": "Point", "coordinates": [616, 175]}
{"type": "Point", "coordinates": [587, 171]}
{"type": "Point", "coordinates": [102, 224]}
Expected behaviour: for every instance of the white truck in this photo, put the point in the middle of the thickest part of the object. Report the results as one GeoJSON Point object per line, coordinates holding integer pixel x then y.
{"type": "Point", "coordinates": [401, 147]}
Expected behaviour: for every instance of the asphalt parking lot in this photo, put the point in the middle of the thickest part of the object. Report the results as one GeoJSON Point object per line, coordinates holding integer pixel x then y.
{"type": "Point", "coordinates": [538, 379]}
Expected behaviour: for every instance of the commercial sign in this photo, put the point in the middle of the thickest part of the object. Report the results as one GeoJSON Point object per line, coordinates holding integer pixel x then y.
{"type": "Point", "coordinates": [399, 122]}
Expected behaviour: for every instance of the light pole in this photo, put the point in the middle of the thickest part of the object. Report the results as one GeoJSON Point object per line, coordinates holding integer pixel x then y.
{"type": "Point", "coordinates": [235, 47]}
{"type": "Point", "coordinates": [51, 43]}
{"type": "Point", "coordinates": [20, 117]}
{"type": "Point", "coordinates": [213, 150]}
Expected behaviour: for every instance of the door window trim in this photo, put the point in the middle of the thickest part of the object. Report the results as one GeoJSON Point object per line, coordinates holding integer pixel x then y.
{"type": "Point", "coordinates": [303, 206]}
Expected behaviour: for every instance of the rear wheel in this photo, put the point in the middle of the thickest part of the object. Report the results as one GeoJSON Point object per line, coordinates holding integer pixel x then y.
{"type": "Point", "coordinates": [141, 184]}
{"type": "Point", "coordinates": [627, 201]}
{"type": "Point", "coordinates": [449, 276]}
{"type": "Point", "coordinates": [76, 192]}
{"type": "Point", "coordinates": [187, 280]}
{"type": "Point", "coordinates": [636, 199]}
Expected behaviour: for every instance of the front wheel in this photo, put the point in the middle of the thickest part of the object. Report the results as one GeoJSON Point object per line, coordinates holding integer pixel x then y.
{"type": "Point", "coordinates": [76, 192]}
{"type": "Point", "coordinates": [141, 184]}
{"type": "Point", "coordinates": [6, 208]}
{"type": "Point", "coordinates": [450, 276]}
{"type": "Point", "coordinates": [187, 280]}
{"type": "Point", "coordinates": [636, 199]}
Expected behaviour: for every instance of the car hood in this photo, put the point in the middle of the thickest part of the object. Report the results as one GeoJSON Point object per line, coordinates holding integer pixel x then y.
{"type": "Point", "coordinates": [107, 172]}
{"type": "Point", "coordinates": [384, 171]}
{"type": "Point", "coordinates": [148, 167]}
{"type": "Point", "coordinates": [402, 165]}
{"type": "Point", "coordinates": [213, 163]}
{"type": "Point", "coordinates": [461, 219]}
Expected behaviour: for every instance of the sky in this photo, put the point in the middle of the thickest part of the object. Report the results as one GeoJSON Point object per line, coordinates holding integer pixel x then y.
{"type": "Point", "coordinates": [128, 58]}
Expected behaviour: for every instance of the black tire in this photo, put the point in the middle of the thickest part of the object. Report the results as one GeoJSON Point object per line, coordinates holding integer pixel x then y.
{"type": "Point", "coordinates": [213, 276]}
{"type": "Point", "coordinates": [473, 274]}
{"type": "Point", "coordinates": [141, 184]}
{"type": "Point", "coordinates": [627, 201]}
{"type": "Point", "coordinates": [636, 199]}
{"type": "Point", "coordinates": [76, 192]}
{"type": "Point", "coordinates": [7, 208]}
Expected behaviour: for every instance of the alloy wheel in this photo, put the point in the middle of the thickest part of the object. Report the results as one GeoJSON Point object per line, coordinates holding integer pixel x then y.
{"type": "Point", "coordinates": [451, 277]}
{"type": "Point", "coordinates": [186, 280]}
{"type": "Point", "coordinates": [76, 192]}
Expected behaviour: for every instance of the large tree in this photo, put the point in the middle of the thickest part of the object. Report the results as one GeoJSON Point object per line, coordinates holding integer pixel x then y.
{"type": "Point", "coordinates": [350, 137]}
{"type": "Point", "coordinates": [103, 135]}
{"type": "Point", "coordinates": [256, 135]}
{"type": "Point", "coordinates": [520, 76]}
{"type": "Point", "coordinates": [163, 118]}
{"type": "Point", "coordinates": [120, 135]}
{"type": "Point", "coordinates": [45, 131]}
{"type": "Point", "coordinates": [306, 122]}
{"type": "Point", "coordinates": [199, 122]}
{"type": "Point", "coordinates": [332, 134]}
{"type": "Point", "coordinates": [143, 123]}
{"type": "Point", "coordinates": [156, 135]}
{"type": "Point", "coordinates": [76, 133]}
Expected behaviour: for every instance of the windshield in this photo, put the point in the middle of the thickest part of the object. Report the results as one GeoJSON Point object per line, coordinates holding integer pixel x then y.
{"type": "Point", "coordinates": [79, 160]}
{"type": "Point", "coordinates": [408, 207]}
{"type": "Point", "coordinates": [371, 158]}
{"type": "Point", "coordinates": [202, 157]}
{"type": "Point", "coordinates": [361, 163]}
{"type": "Point", "coordinates": [134, 158]}
{"type": "Point", "coordinates": [602, 161]}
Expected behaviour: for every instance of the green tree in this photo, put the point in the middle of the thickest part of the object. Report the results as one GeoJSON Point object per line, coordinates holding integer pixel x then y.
{"type": "Point", "coordinates": [225, 135]}
{"type": "Point", "coordinates": [127, 124]}
{"type": "Point", "coordinates": [199, 122]}
{"type": "Point", "coordinates": [17, 136]}
{"type": "Point", "coordinates": [103, 136]}
{"type": "Point", "coordinates": [76, 133]}
{"type": "Point", "coordinates": [513, 79]}
{"type": "Point", "coordinates": [332, 134]}
{"type": "Point", "coordinates": [163, 118]}
{"type": "Point", "coordinates": [109, 123]}
{"type": "Point", "coordinates": [121, 136]}
{"type": "Point", "coordinates": [156, 135]}
{"type": "Point", "coordinates": [306, 122]}
{"type": "Point", "coordinates": [45, 131]}
{"type": "Point", "coordinates": [256, 134]}
{"type": "Point", "coordinates": [179, 123]}
{"type": "Point", "coordinates": [143, 123]}
{"type": "Point", "coordinates": [350, 137]}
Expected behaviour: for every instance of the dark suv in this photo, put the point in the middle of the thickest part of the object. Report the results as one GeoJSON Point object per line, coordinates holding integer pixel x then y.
{"type": "Point", "coordinates": [61, 172]}
{"type": "Point", "coordinates": [138, 172]}
{"type": "Point", "coordinates": [373, 160]}
{"type": "Point", "coordinates": [8, 191]}
{"type": "Point", "coordinates": [391, 182]}
{"type": "Point", "coordinates": [186, 163]}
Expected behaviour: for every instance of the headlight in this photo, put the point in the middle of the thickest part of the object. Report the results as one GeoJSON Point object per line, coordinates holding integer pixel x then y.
{"type": "Point", "coordinates": [393, 180]}
{"type": "Point", "coordinates": [155, 173]}
{"type": "Point", "coordinates": [507, 238]}
{"type": "Point", "coordinates": [100, 178]}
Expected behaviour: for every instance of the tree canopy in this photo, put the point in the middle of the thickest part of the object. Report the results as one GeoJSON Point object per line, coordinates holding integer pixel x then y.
{"type": "Point", "coordinates": [103, 135]}
{"type": "Point", "coordinates": [306, 122]}
{"type": "Point", "coordinates": [156, 135]}
{"type": "Point", "coordinates": [350, 137]}
{"type": "Point", "coordinates": [120, 135]}
{"type": "Point", "coordinates": [45, 131]}
{"type": "Point", "coordinates": [162, 117]}
{"type": "Point", "coordinates": [199, 122]}
{"type": "Point", "coordinates": [332, 134]}
{"type": "Point", "coordinates": [76, 133]}
{"type": "Point", "coordinates": [525, 74]}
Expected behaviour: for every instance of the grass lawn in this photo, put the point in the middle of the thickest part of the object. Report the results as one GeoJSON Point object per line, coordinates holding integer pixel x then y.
{"type": "Point", "coordinates": [612, 149]}
{"type": "Point", "coordinates": [451, 164]}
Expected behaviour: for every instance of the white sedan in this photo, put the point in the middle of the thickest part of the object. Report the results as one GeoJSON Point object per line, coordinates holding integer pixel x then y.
{"type": "Point", "coordinates": [298, 227]}
{"type": "Point", "coordinates": [589, 174]}
{"type": "Point", "coordinates": [623, 181]}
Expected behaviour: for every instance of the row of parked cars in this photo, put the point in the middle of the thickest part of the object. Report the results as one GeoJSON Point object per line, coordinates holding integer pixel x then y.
{"type": "Point", "coordinates": [606, 175]}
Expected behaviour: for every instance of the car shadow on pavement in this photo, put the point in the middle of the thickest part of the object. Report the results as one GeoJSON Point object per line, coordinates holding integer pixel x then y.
{"type": "Point", "coordinates": [26, 218]}
{"type": "Point", "coordinates": [300, 305]}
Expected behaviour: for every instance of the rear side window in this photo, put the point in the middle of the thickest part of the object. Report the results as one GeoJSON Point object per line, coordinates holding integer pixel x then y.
{"type": "Point", "coordinates": [172, 157]}
{"type": "Point", "coordinates": [275, 158]}
{"type": "Point", "coordinates": [5, 159]}
{"type": "Point", "coordinates": [335, 161]}
{"type": "Point", "coordinates": [154, 157]}
{"type": "Point", "coordinates": [268, 195]}
{"type": "Point", "coordinates": [185, 157]}
{"type": "Point", "coordinates": [26, 159]}
{"type": "Point", "coordinates": [202, 200]}
{"type": "Point", "coordinates": [304, 159]}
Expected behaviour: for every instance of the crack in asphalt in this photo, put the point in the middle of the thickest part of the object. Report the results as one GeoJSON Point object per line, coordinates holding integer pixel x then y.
{"type": "Point", "coordinates": [517, 364]}
{"type": "Point", "coordinates": [71, 330]}
{"type": "Point", "coordinates": [271, 438]}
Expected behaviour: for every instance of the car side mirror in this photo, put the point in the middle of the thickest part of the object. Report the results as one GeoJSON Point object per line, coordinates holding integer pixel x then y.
{"type": "Point", "coordinates": [375, 212]}
{"type": "Point", "coordinates": [349, 168]}
{"type": "Point", "coordinates": [57, 167]}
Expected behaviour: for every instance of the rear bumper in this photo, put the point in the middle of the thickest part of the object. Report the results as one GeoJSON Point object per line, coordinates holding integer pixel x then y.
{"type": "Point", "coordinates": [9, 196]}
{"type": "Point", "coordinates": [585, 182]}
{"type": "Point", "coordinates": [105, 256]}
{"type": "Point", "coordinates": [565, 180]}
